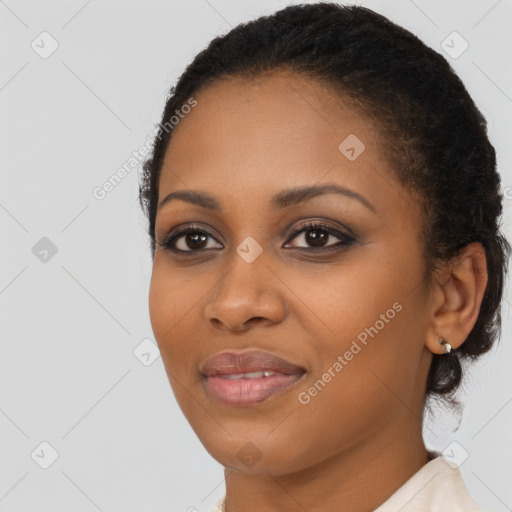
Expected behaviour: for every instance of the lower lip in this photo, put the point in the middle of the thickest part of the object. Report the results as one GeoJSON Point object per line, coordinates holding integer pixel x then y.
{"type": "Point", "coordinates": [244, 392]}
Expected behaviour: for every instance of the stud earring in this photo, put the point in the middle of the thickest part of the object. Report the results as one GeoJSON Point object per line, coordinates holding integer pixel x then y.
{"type": "Point", "coordinates": [447, 346]}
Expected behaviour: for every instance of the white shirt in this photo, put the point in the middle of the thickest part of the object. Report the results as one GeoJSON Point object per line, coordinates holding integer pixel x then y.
{"type": "Point", "coordinates": [436, 487]}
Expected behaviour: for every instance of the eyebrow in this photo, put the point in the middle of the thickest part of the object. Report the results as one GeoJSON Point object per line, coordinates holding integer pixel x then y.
{"type": "Point", "coordinates": [283, 199]}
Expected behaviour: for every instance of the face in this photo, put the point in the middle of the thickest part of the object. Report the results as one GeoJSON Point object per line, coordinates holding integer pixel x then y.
{"type": "Point", "coordinates": [329, 282]}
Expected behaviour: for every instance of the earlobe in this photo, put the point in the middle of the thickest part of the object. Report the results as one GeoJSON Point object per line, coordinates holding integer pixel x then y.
{"type": "Point", "coordinates": [460, 297]}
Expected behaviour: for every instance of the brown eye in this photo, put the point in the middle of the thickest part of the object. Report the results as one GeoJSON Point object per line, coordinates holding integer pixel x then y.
{"type": "Point", "coordinates": [189, 240]}
{"type": "Point", "coordinates": [195, 241]}
{"type": "Point", "coordinates": [321, 236]}
{"type": "Point", "coordinates": [316, 237]}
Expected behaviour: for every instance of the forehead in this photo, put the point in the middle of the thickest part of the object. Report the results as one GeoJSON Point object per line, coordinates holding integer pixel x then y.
{"type": "Point", "coordinates": [277, 130]}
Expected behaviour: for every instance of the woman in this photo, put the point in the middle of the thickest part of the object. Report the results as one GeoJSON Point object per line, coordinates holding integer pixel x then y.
{"type": "Point", "coordinates": [324, 210]}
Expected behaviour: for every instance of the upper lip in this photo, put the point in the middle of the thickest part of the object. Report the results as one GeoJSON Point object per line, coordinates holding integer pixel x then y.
{"type": "Point", "coordinates": [231, 362]}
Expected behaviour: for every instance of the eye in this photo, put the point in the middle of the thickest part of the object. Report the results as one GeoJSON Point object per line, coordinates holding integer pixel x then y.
{"type": "Point", "coordinates": [189, 239]}
{"type": "Point", "coordinates": [318, 234]}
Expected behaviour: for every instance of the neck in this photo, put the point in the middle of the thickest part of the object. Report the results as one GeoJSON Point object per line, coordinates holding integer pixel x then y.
{"type": "Point", "coordinates": [356, 480]}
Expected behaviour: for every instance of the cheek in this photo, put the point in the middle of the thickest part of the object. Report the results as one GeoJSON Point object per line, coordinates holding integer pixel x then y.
{"type": "Point", "coordinates": [162, 306]}
{"type": "Point", "coordinates": [171, 298]}
{"type": "Point", "coordinates": [359, 398]}
{"type": "Point", "coordinates": [169, 303]}
{"type": "Point", "coordinates": [373, 320]}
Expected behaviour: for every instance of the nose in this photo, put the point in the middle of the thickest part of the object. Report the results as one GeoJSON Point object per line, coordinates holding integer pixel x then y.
{"type": "Point", "coordinates": [247, 294]}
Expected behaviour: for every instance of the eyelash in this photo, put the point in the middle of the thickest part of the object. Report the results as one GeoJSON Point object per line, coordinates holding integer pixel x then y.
{"type": "Point", "coordinates": [346, 239]}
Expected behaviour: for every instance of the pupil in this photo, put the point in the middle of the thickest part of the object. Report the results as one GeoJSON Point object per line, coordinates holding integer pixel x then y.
{"type": "Point", "coordinates": [317, 239]}
{"type": "Point", "coordinates": [197, 240]}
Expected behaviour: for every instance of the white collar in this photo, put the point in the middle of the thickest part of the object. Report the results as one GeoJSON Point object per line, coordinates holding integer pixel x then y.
{"type": "Point", "coordinates": [436, 487]}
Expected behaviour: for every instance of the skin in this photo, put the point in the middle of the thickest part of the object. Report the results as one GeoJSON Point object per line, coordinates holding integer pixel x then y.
{"type": "Point", "coordinates": [359, 439]}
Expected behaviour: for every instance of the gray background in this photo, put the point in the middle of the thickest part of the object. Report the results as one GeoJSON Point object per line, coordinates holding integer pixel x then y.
{"type": "Point", "coordinates": [70, 324]}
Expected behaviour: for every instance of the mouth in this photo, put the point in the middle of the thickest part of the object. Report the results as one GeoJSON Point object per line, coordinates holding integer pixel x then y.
{"type": "Point", "coordinates": [248, 378]}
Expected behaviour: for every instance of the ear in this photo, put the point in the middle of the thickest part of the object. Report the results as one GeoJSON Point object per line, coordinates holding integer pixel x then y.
{"type": "Point", "coordinates": [456, 298]}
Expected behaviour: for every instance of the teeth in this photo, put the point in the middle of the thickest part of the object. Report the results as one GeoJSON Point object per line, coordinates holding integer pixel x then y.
{"type": "Point", "coordinates": [251, 375]}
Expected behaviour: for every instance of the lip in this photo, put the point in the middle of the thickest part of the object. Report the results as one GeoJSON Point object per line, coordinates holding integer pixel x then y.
{"type": "Point", "coordinates": [231, 362]}
{"type": "Point", "coordinates": [223, 381]}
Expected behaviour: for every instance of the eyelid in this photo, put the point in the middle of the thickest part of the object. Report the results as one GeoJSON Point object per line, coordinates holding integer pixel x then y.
{"type": "Point", "coordinates": [322, 225]}
{"type": "Point", "coordinates": [324, 221]}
